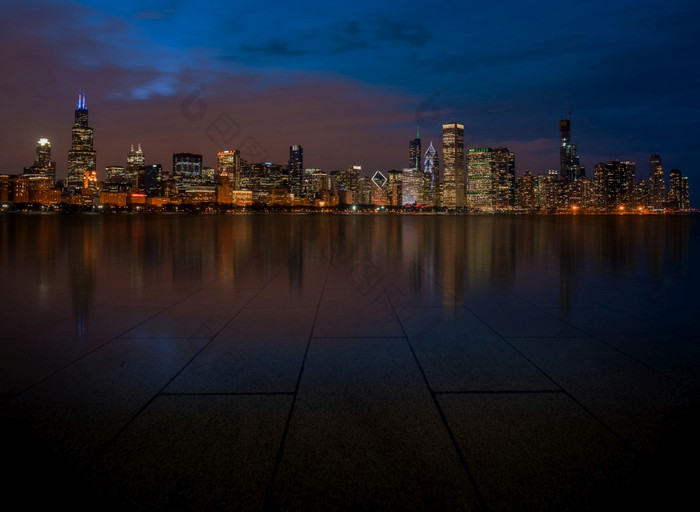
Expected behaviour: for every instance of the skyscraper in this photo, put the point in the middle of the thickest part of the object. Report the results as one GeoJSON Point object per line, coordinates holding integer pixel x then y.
{"type": "Point", "coordinates": [453, 160]}
{"type": "Point", "coordinates": [187, 167]}
{"type": "Point", "coordinates": [135, 165]}
{"type": "Point", "coordinates": [43, 166]}
{"type": "Point", "coordinates": [296, 169]}
{"type": "Point", "coordinates": [480, 178]}
{"type": "Point", "coordinates": [614, 184]}
{"type": "Point", "coordinates": [570, 167]}
{"type": "Point", "coordinates": [82, 156]}
{"type": "Point", "coordinates": [657, 183]}
{"type": "Point", "coordinates": [228, 167]}
{"type": "Point", "coordinates": [504, 177]}
{"type": "Point", "coordinates": [431, 177]}
{"type": "Point", "coordinates": [414, 153]}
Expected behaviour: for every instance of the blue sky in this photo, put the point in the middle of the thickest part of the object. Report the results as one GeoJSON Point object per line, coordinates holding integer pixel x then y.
{"type": "Point", "coordinates": [350, 83]}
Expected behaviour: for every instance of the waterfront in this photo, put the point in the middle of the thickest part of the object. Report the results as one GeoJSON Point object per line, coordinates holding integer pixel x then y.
{"type": "Point", "coordinates": [350, 361]}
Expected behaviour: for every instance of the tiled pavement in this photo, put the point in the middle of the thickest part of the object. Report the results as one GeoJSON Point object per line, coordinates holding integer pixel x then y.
{"type": "Point", "coordinates": [360, 386]}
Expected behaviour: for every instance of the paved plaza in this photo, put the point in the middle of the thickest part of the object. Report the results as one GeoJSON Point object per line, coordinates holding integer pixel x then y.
{"type": "Point", "coordinates": [335, 381]}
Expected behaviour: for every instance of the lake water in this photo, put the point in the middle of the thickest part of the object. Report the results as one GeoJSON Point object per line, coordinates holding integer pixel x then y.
{"type": "Point", "coordinates": [52, 266]}
{"type": "Point", "coordinates": [427, 361]}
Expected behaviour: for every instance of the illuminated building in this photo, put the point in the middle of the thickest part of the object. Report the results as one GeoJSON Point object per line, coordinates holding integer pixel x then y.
{"type": "Point", "coordinates": [153, 179]}
{"type": "Point", "coordinates": [296, 168]}
{"type": "Point", "coordinates": [4, 189]}
{"type": "Point", "coordinates": [614, 184]}
{"type": "Point", "coordinates": [678, 191]}
{"type": "Point", "coordinates": [208, 174]}
{"type": "Point", "coordinates": [320, 183]}
{"type": "Point", "coordinates": [135, 164]}
{"type": "Point", "coordinates": [525, 191]}
{"type": "Point", "coordinates": [262, 176]}
{"type": "Point", "coordinates": [187, 167]}
{"type": "Point", "coordinates": [379, 193]}
{"type": "Point", "coordinates": [394, 187]}
{"type": "Point", "coordinates": [657, 183]}
{"type": "Point", "coordinates": [411, 181]}
{"type": "Point", "coordinates": [82, 156]}
{"type": "Point", "coordinates": [453, 160]}
{"type": "Point", "coordinates": [431, 177]}
{"type": "Point", "coordinates": [43, 166]}
{"type": "Point", "coordinates": [570, 167]}
{"type": "Point", "coordinates": [504, 177]}
{"type": "Point", "coordinates": [480, 178]}
{"type": "Point", "coordinates": [414, 153]}
{"type": "Point", "coordinates": [347, 182]}
{"type": "Point", "coordinates": [115, 174]}
{"type": "Point", "coordinates": [547, 190]}
{"type": "Point", "coordinates": [228, 167]}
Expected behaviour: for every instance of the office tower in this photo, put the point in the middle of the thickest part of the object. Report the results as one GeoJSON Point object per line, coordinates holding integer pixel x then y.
{"type": "Point", "coordinates": [228, 167]}
{"type": "Point", "coordinates": [296, 170]}
{"type": "Point", "coordinates": [82, 156]}
{"type": "Point", "coordinates": [678, 191]}
{"type": "Point", "coordinates": [187, 167]}
{"type": "Point", "coordinates": [115, 174]}
{"type": "Point", "coordinates": [135, 164]}
{"type": "Point", "coordinates": [152, 179]}
{"type": "Point", "coordinates": [431, 177]}
{"type": "Point", "coordinates": [394, 187]}
{"type": "Point", "coordinates": [480, 178]}
{"type": "Point", "coordinates": [569, 165]}
{"type": "Point", "coordinates": [411, 181]}
{"type": "Point", "coordinates": [453, 160]}
{"type": "Point", "coordinates": [674, 189]}
{"type": "Point", "coordinates": [348, 183]}
{"type": "Point", "coordinates": [414, 153]}
{"type": "Point", "coordinates": [504, 177]}
{"type": "Point", "coordinates": [657, 183]}
{"type": "Point", "coordinates": [614, 184]}
{"type": "Point", "coordinates": [43, 166]}
{"type": "Point", "coordinates": [525, 191]}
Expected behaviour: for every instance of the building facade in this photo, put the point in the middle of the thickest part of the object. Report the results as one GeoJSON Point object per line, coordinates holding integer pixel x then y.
{"type": "Point", "coordinates": [453, 163]}
{"type": "Point", "coordinates": [81, 156]}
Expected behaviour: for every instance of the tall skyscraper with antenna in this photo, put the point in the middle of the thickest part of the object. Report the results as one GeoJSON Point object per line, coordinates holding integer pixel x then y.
{"type": "Point", "coordinates": [569, 165]}
{"type": "Point", "coordinates": [414, 153]}
{"type": "Point", "coordinates": [81, 156]}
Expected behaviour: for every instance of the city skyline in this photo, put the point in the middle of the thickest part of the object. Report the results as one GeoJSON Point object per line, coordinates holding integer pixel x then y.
{"type": "Point", "coordinates": [630, 91]}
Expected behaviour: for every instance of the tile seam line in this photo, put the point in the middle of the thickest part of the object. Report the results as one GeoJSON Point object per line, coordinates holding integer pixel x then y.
{"type": "Point", "coordinates": [616, 349]}
{"type": "Point", "coordinates": [590, 413]}
{"type": "Point", "coordinates": [460, 456]}
{"type": "Point", "coordinates": [98, 453]}
{"type": "Point", "coordinates": [268, 496]}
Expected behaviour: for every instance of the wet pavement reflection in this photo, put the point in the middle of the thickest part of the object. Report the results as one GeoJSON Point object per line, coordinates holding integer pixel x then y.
{"type": "Point", "coordinates": [360, 347]}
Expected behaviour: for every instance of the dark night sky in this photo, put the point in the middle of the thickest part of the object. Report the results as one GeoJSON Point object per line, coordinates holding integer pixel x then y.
{"type": "Point", "coordinates": [351, 82]}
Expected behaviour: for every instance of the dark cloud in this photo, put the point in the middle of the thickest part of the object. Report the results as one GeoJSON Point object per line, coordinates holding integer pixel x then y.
{"type": "Point", "coordinates": [273, 48]}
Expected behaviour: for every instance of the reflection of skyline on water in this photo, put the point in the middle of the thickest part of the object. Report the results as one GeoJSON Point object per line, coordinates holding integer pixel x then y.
{"type": "Point", "coordinates": [457, 259]}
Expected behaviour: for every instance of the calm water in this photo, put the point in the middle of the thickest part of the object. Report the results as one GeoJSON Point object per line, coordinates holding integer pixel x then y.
{"type": "Point", "coordinates": [52, 265]}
